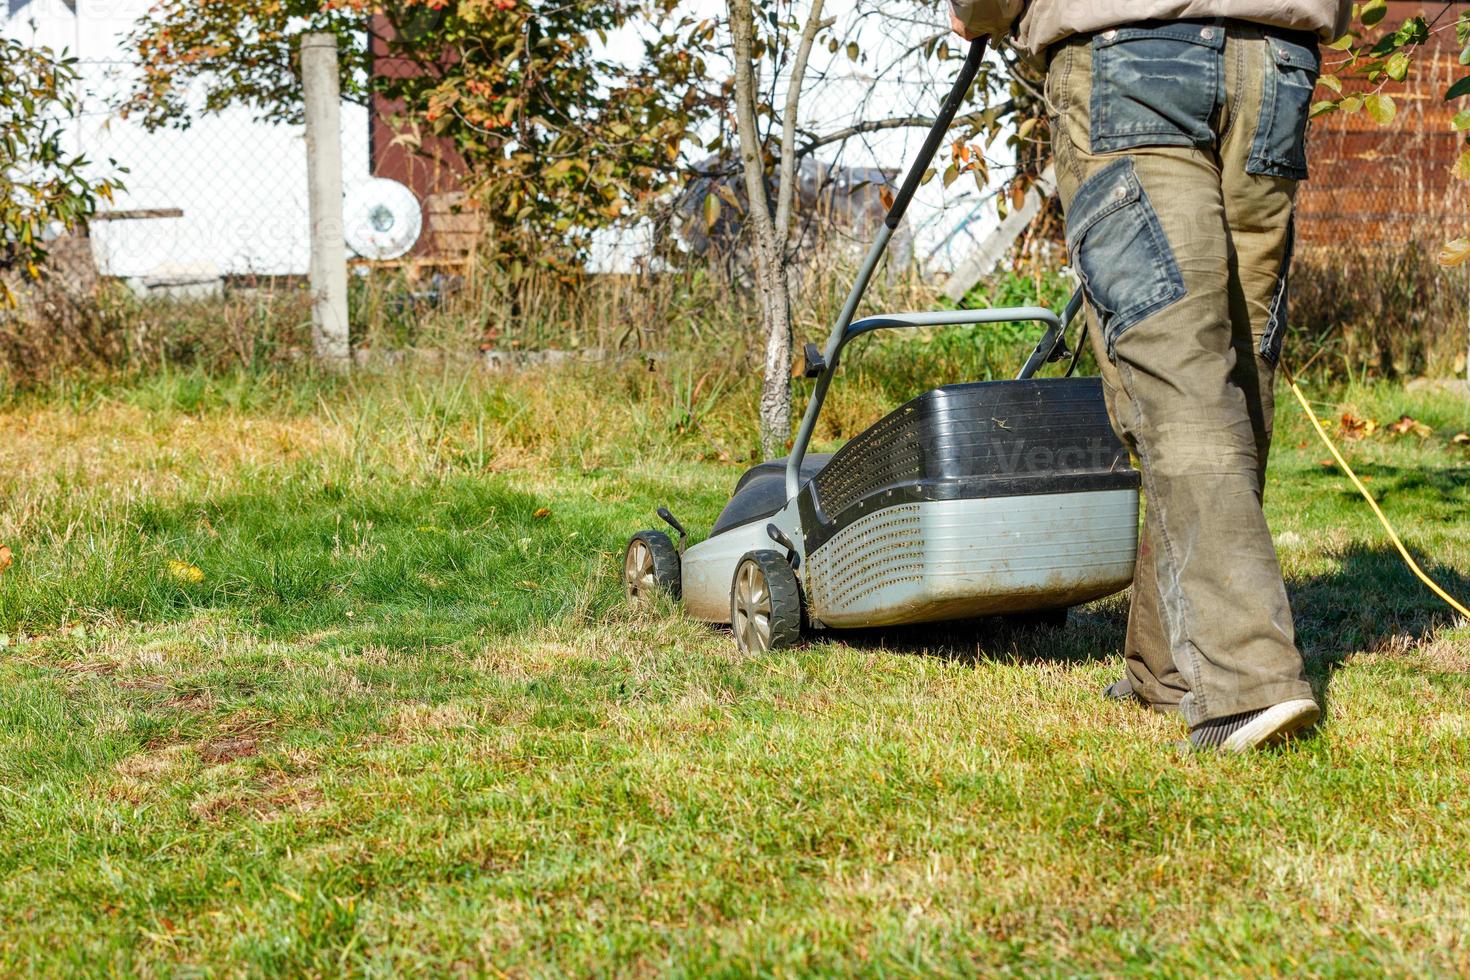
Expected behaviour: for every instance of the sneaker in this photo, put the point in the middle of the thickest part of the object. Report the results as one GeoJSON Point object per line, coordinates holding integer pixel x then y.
{"type": "Point", "coordinates": [1254, 729]}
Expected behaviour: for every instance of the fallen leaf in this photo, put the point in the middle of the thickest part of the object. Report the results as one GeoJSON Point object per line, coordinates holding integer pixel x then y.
{"type": "Point", "coordinates": [528, 584]}
{"type": "Point", "coordinates": [542, 514]}
{"type": "Point", "coordinates": [1406, 425]}
{"type": "Point", "coordinates": [182, 571]}
{"type": "Point", "coordinates": [7, 557]}
{"type": "Point", "coordinates": [1460, 439]}
{"type": "Point", "coordinates": [1354, 427]}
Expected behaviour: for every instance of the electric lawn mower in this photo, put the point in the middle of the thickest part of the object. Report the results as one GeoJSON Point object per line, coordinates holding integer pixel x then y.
{"type": "Point", "coordinates": [974, 499]}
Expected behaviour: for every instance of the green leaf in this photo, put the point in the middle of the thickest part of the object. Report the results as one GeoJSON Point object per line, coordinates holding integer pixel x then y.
{"type": "Point", "coordinates": [1461, 122]}
{"type": "Point", "coordinates": [1459, 89]}
{"type": "Point", "coordinates": [1384, 45]}
{"type": "Point", "coordinates": [1398, 66]}
{"type": "Point", "coordinates": [1332, 82]}
{"type": "Point", "coordinates": [1373, 12]}
{"type": "Point", "coordinates": [1381, 107]}
{"type": "Point", "coordinates": [1343, 43]}
{"type": "Point", "coordinates": [1350, 104]}
{"type": "Point", "coordinates": [1323, 107]}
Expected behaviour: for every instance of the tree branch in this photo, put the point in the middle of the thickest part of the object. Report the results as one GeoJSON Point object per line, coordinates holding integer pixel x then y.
{"type": "Point", "coordinates": [786, 175]}
{"type": "Point", "coordinates": [895, 122]}
{"type": "Point", "coordinates": [742, 33]}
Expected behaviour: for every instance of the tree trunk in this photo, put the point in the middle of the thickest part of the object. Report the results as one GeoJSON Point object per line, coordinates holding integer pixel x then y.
{"type": "Point", "coordinates": [775, 404]}
{"type": "Point", "coordinates": [771, 225]}
{"type": "Point", "coordinates": [776, 385]}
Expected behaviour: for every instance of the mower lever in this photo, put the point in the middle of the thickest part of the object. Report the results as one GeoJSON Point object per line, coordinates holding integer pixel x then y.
{"type": "Point", "coordinates": [813, 362]}
{"type": "Point", "coordinates": [779, 536]}
{"type": "Point", "coordinates": [668, 518]}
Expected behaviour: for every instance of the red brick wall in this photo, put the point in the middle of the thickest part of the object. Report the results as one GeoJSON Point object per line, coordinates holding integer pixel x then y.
{"type": "Point", "coordinates": [1375, 185]}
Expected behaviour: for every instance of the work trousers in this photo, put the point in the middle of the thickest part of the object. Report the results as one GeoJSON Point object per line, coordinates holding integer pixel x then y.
{"type": "Point", "coordinates": [1178, 148]}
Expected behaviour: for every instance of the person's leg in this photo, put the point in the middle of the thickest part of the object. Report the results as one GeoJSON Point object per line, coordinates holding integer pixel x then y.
{"type": "Point", "coordinates": [1258, 218]}
{"type": "Point", "coordinates": [1259, 197]}
{"type": "Point", "coordinates": [1150, 675]}
{"type": "Point", "coordinates": [1148, 231]}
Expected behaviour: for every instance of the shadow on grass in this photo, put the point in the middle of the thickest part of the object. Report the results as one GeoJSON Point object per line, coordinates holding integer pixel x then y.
{"type": "Point", "coordinates": [1095, 633]}
{"type": "Point", "coordinates": [1439, 485]}
{"type": "Point", "coordinates": [1367, 602]}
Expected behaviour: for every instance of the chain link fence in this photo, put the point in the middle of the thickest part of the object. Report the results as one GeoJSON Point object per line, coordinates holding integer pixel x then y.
{"type": "Point", "coordinates": [223, 198]}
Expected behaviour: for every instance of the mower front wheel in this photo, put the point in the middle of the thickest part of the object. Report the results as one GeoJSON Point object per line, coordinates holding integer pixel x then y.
{"type": "Point", "coordinates": [651, 565]}
{"type": "Point", "coordinates": [765, 603]}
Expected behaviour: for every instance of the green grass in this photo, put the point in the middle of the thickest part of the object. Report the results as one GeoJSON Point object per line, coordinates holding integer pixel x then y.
{"type": "Point", "coordinates": [403, 723]}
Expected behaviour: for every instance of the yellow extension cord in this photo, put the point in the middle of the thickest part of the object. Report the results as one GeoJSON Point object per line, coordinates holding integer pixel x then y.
{"type": "Point", "coordinates": [1455, 604]}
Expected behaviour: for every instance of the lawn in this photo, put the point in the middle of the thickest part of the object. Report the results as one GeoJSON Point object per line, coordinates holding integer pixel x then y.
{"type": "Point", "coordinates": [317, 677]}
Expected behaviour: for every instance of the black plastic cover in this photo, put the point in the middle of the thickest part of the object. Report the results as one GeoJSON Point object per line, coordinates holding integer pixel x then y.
{"type": "Point", "coordinates": [985, 439]}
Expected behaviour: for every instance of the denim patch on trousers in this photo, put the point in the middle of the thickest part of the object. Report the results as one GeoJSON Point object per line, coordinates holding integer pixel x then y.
{"type": "Point", "coordinates": [1280, 146]}
{"type": "Point", "coordinates": [1119, 249]}
{"type": "Point", "coordinates": [1156, 85]}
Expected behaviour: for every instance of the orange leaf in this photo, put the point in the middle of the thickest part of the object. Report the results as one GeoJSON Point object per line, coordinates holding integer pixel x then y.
{"type": "Point", "coordinates": [1406, 425]}
{"type": "Point", "coordinates": [7, 558]}
{"type": "Point", "coordinates": [1356, 428]}
{"type": "Point", "coordinates": [1455, 252]}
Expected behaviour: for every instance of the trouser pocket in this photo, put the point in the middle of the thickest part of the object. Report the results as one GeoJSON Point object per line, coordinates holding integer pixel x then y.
{"type": "Point", "coordinates": [1119, 249]}
{"type": "Point", "coordinates": [1280, 146]}
{"type": "Point", "coordinates": [1155, 85]}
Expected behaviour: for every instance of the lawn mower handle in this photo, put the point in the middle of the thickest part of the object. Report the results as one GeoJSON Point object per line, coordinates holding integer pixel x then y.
{"type": "Point", "coordinates": [844, 329]}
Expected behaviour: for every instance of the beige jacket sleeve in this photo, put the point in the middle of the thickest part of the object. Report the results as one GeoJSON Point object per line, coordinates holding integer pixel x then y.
{"type": "Point", "coordinates": [993, 17]}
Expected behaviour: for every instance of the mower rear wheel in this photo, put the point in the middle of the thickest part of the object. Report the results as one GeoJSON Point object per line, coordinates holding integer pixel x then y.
{"type": "Point", "coordinates": [765, 603]}
{"type": "Point", "coordinates": [651, 566]}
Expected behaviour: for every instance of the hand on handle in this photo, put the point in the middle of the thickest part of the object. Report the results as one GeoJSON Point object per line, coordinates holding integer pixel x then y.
{"type": "Point", "coordinates": [960, 28]}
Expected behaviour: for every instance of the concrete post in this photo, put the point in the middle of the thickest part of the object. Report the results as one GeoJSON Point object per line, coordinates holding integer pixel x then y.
{"type": "Point", "coordinates": [322, 94]}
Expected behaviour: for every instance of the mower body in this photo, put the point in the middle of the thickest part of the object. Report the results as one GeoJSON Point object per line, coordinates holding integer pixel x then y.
{"type": "Point", "coordinates": [970, 500]}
